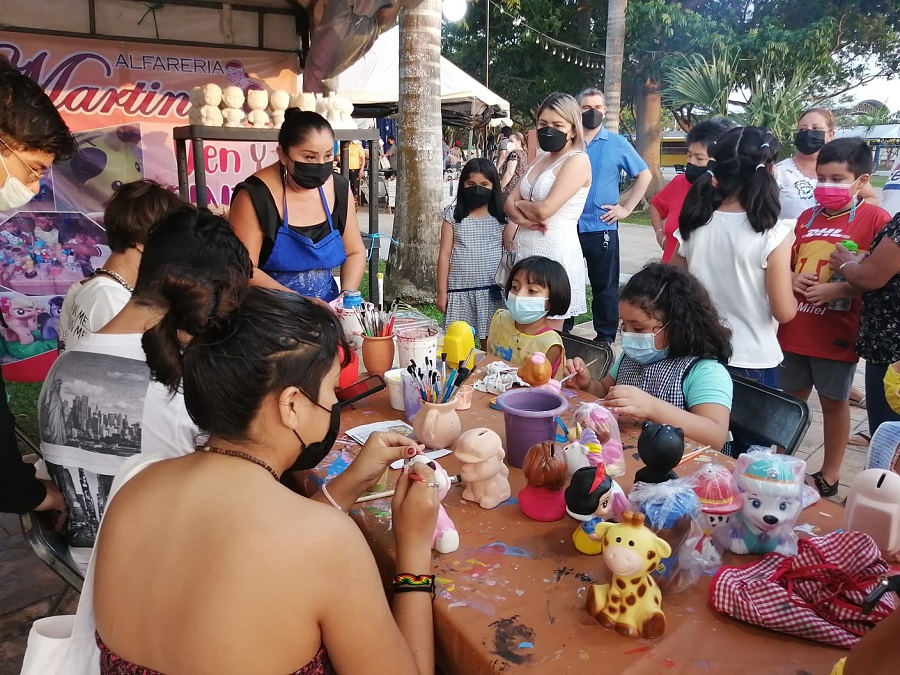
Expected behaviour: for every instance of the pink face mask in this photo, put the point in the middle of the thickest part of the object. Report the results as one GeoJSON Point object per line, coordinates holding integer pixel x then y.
{"type": "Point", "coordinates": [834, 196]}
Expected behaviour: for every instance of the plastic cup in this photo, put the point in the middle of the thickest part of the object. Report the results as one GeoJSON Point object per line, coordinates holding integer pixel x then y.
{"type": "Point", "coordinates": [414, 344]}
{"type": "Point", "coordinates": [395, 388]}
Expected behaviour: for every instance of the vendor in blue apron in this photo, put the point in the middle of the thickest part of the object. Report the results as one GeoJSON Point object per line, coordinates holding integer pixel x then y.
{"type": "Point", "coordinates": [293, 215]}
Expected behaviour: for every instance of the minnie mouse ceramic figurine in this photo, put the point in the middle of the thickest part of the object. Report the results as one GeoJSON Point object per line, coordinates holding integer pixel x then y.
{"type": "Point", "coordinates": [591, 497]}
{"type": "Point", "coordinates": [545, 471]}
{"type": "Point", "coordinates": [661, 447]}
{"type": "Point", "coordinates": [446, 537]}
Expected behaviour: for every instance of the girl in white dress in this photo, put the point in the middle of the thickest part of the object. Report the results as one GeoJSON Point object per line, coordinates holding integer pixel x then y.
{"type": "Point", "coordinates": [548, 201]}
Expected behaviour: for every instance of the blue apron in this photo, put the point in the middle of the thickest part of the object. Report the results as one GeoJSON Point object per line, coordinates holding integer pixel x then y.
{"type": "Point", "coordinates": [305, 266]}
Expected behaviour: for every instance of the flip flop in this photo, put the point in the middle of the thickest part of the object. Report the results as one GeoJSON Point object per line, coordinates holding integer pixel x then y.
{"type": "Point", "coordinates": [859, 402]}
{"type": "Point", "coordinates": [859, 440]}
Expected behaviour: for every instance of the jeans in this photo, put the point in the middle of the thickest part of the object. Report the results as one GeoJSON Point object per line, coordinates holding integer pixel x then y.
{"type": "Point", "coordinates": [601, 251]}
{"type": "Point", "coordinates": [766, 376]}
{"type": "Point", "coordinates": [877, 406]}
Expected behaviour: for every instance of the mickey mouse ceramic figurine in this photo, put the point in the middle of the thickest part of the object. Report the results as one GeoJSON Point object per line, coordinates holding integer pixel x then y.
{"type": "Point", "coordinates": [661, 447]}
{"type": "Point", "coordinates": [591, 497]}
{"type": "Point", "coordinates": [446, 537]}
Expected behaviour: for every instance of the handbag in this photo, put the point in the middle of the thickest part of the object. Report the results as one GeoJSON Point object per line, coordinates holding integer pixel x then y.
{"type": "Point", "coordinates": [508, 259]}
{"type": "Point", "coordinates": [66, 645]}
{"type": "Point", "coordinates": [817, 594]}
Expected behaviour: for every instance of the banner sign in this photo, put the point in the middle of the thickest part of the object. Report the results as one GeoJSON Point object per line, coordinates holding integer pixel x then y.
{"type": "Point", "coordinates": [121, 100]}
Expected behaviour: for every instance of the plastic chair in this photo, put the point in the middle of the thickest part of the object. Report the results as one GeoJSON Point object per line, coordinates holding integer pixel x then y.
{"type": "Point", "coordinates": [761, 415]}
{"type": "Point", "coordinates": [51, 547]}
{"type": "Point", "coordinates": [589, 350]}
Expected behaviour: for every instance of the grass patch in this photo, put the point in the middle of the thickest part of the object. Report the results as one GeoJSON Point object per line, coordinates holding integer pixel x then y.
{"type": "Point", "coordinates": [878, 181]}
{"type": "Point", "coordinates": [23, 398]}
{"type": "Point", "coordinates": [638, 218]}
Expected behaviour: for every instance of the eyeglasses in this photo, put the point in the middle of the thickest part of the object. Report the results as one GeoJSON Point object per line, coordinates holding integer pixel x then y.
{"type": "Point", "coordinates": [38, 175]}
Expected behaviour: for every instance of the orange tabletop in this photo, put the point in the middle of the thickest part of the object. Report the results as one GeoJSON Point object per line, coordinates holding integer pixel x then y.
{"type": "Point", "coordinates": [511, 599]}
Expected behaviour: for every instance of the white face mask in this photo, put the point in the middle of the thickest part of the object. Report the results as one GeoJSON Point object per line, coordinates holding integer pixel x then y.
{"type": "Point", "coordinates": [14, 194]}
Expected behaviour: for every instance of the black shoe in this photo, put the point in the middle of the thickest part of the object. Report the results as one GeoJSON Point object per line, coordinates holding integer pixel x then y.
{"type": "Point", "coordinates": [825, 489]}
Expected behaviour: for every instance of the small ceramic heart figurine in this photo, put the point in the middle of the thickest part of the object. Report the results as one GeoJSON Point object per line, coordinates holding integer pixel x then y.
{"type": "Point", "coordinates": [661, 447]}
{"type": "Point", "coordinates": [483, 471]}
{"type": "Point", "coordinates": [446, 537]}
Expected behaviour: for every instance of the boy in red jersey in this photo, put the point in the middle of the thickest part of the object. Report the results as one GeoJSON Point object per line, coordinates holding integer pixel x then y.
{"type": "Point", "coordinates": [818, 343]}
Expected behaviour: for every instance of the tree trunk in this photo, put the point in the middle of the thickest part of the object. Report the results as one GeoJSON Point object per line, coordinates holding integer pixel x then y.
{"type": "Point", "coordinates": [648, 136]}
{"type": "Point", "coordinates": [417, 220]}
{"type": "Point", "coordinates": [615, 54]}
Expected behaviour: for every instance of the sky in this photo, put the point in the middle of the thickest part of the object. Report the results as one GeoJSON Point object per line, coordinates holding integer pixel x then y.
{"type": "Point", "coordinates": [886, 90]}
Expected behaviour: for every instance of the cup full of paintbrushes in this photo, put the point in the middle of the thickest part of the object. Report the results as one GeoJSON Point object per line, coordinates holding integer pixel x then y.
{"type": "Point", "coordinates": [378, 339]}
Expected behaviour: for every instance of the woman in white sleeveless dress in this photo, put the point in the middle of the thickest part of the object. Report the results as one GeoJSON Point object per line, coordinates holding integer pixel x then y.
{"type": "Point", "coordinates": [548, 201]}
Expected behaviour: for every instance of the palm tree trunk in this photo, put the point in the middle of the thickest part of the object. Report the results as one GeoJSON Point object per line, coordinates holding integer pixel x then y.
{"type": "Point", "coordinates": [647, 118]}
{"type": "Point", "coordinates": [412, 262]}
{"type": "Point", "coordinates": [615, 54]}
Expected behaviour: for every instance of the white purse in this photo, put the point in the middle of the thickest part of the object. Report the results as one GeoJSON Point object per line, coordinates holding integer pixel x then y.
{"type": "Point", "coordinates": [65, 645]}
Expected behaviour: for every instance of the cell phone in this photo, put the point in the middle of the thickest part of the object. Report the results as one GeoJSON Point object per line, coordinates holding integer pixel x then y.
{"type": "Point", "coordinates": [360, 390]}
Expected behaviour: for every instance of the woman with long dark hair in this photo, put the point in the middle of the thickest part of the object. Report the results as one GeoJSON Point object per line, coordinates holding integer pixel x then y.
{"type": "Point", "coordinates": [730, 237]}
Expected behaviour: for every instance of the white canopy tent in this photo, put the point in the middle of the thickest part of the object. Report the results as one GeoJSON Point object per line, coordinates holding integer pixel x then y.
{"type": "Point", "coordinates": [372, 84]}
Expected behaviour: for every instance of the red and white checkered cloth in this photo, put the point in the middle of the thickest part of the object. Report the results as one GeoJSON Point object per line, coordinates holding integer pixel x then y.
{"type": "Point", "coordinates": [817, 594]}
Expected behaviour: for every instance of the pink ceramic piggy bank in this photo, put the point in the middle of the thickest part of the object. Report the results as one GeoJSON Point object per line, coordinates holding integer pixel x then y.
{"type": "Point", "coordinates": [483, 471]}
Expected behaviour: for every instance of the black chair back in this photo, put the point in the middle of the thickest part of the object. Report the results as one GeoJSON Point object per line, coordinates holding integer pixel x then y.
{"type": "Point", "coordinates": [762, 415]}
{"type": "Point", "coordinates": [589, 350]}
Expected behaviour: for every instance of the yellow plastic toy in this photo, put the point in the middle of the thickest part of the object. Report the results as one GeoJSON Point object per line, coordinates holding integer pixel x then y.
{"type": "Point", "coordinates": [459, 341]}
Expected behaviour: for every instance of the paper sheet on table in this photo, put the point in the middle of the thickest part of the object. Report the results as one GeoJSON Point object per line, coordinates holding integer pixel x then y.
{"type": "Point", "coordinates": [361, 434]}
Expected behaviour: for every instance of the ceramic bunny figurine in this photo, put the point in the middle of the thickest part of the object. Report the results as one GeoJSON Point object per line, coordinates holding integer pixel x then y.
{"type": "Point", "coordinates": [279, 101]}
{"type": "Point", "coordinates": [210, 115]}
{"type": "Point", "coordinates": [196, 98]}
{"type": "Point", "coordinates": [483, 471]}
{"type": "Point", "coordinates": [233, 100]}
{"type": "Point", "coordinates": [446, 537]}
{"type": "Point", "coordinates": [258, 101]}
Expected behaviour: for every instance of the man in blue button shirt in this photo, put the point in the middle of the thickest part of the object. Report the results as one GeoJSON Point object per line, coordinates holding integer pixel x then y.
{"type": "Point", "coordinates": [610, 154]}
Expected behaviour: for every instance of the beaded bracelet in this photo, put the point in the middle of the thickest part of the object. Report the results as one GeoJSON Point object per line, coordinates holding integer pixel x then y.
{"type": "Point", "coordinates": [404, 583]}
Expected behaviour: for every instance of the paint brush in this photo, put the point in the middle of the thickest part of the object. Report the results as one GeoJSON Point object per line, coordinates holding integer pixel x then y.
{"type": "Point", "coordinates": [571, 375]}
{"type": "Point", "coordinates": [390, 493]}
{"type": "Point", "coordinates": [693, 454]}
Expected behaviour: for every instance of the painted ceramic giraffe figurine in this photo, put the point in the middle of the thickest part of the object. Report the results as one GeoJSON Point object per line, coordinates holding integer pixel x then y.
{"type": "Point", "coordinates": [631, 601]}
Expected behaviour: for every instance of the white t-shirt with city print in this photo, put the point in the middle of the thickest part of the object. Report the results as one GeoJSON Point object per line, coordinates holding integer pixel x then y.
{"type": "Point", "coordinates": [97, 408]}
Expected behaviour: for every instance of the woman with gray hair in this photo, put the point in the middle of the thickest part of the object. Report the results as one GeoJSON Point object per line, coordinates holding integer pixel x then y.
{"type": "Point", "coordinates": [550, 197]}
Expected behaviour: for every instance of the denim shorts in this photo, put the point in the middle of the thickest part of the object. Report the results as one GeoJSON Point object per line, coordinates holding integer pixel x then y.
{"type": "Point", "coordinates": [832, 379]}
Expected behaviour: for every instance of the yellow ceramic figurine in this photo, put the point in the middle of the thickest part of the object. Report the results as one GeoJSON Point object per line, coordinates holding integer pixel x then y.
{"type": "Point", "coordinates": [631, 602]}
{"type": "Point", "coordinates": [459, 342]}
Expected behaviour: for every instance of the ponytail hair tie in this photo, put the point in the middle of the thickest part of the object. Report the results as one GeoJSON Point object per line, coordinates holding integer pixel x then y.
{"type": "Point", "coordinates": [709, 171]}
{"type": "Point", "coordinates": [764, 145]}
{"type": "Point", "coordinates": [761, 165]}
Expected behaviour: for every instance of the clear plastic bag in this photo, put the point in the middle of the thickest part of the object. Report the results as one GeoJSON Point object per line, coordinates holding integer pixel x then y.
{"type": "Point", "coordinates": [719, 500]}
{"type": "Point", "coordinates": [672, 511]}
{"type": "Point", "coordinates": [603, 423]}
{"type": "Point", "coordinates": [771, 490]}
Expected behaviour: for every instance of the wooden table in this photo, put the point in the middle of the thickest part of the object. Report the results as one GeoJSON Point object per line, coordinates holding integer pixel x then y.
{"type": "Point", "coordinates": [511, 599]}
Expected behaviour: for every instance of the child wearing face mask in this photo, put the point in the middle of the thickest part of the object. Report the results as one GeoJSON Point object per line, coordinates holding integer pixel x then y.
{"type": "Point", "coordinates": [674, 349]}
{"type": "Point", "coordinates": [666, 204]}
{"type": "Point", "coordinates": [472, 238]}
{"type": "Point", "coordinates": [537, 287]}
{"type": "Point", "coordinates": [818, 344]}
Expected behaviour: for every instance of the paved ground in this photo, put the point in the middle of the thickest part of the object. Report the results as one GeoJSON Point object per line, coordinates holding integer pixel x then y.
{"type": "Point", "coordinates": [28, 587]}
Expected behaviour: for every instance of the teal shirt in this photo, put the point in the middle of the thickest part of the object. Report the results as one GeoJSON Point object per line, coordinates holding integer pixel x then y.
{"type": "Point", "coordinates": [707, 382]}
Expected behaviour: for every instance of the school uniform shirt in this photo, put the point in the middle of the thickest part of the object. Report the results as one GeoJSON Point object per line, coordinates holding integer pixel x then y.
{"type": "Point", "coordinates": [510, 344]}
{"type": "Point", "coordinates": [704, 381]}
{"type": "Point", "coordinates": [796, 189]}
{"type": "Point", "coordinates": [88, 307]}
{"type": "Point", "coordinates": [818, 331]}
{"type": "Point", "coordinates": [730, 258]}
{"type": "Point", "coordinates": [668, 202]}
{"type": "Point", "coordinates": [99, 407]}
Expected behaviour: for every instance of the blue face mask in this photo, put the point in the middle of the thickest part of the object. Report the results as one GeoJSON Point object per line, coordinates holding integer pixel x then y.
{"type": "Point", "coordinates": [641, 347]}
{"type": "Point", "coordinates": [526, 310]}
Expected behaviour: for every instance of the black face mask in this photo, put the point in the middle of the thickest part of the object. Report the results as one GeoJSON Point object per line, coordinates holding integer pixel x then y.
{"type": "Point", "coordinates": [312, 454]}
{"type": "Point", "coordinates": [591, 119]}
{"type": "Point", "coordinates": [809, 141]}
{"type": "Point", "coordinates": [310, 175]}
{"type": "Point", "coordinates": [477, 195]}
{"type": "Point", "coordinates": [692, 172]}
{"type": "Point", "coordinates": [551, 140]}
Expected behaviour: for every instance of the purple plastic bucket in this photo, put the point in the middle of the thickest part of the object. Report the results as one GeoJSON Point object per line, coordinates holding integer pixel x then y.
{"type": "Point", "coordinates": [530, 418]}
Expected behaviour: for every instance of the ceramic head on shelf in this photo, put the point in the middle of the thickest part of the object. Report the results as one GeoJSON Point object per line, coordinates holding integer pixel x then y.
{"type": "Point", "coordinates": [485, 475]}
{"type": "Point", "coordinates": [321, 108]}
{"type": "Point", "coordinates": [771, 489]}
{"type": "Point", "coordinates": [661, 447]}
{"type": "Point", "coordinates": [591, 498]}
{"type": "Point", "coordinates": [304, 101]}
{"type": "Point", "coordinates": [631, 602]}
{"type": "Point", "coordinates": [196, 98]}
{"type": "Point", "coordinates": [210, 115]}
{"type": "Point", "coordinates": [344, 110]}
{"type": "Point", "coordinates": [279, 101]}
{"type": "Point", "coordinates": [232, 106]}
{"type": "Point", "coordinates": [446, 537]}
{"type": "Point", "coordinates": [258, 101]}
{"type": "Point", "coordinates": [545, 472]}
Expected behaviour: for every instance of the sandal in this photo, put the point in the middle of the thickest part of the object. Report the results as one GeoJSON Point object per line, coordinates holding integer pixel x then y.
{"type": "Point", "coordinates": [858, 402]}
{"type": "Point", "coordinates": [825, 489]}
{"type": "Point", "coordinates": [859, 439]}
